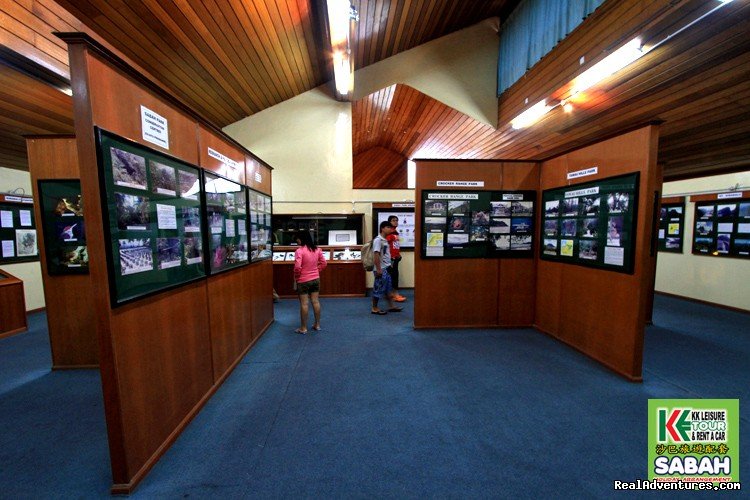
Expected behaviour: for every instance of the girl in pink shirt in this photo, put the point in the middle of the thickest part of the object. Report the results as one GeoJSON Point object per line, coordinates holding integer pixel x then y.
{"type": "Point", "coordinates": [308, 262]}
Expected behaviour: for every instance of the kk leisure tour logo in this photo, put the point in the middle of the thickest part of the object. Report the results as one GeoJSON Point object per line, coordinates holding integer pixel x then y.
{"type": "Point", "coordinates": [694, 440]}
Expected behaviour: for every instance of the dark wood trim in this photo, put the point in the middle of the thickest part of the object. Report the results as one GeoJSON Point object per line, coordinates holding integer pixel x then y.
{"type": "Point", "coordinates": [75, 367]}
{"type": "Point", "coordinates": [13, 332]}
{"type": "Point", "coordinates": [49, 136]}
{"type": "Point", "coordinates": [118, 63]}
{"type": "Point", "coordinates": [38, 309]}
{"type": "Point", "coordinates": [700, 174]}
{"type": "Point", "coordinates": [673, 199]}
{"type": "Point", "coordinates": [704, 302]}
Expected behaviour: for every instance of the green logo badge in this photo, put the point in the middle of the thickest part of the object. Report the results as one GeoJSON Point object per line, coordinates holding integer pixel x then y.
{"type": "Point", "coordinates": [694, 440]}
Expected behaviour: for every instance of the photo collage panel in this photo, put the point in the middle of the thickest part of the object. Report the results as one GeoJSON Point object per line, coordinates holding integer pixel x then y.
{"type": "Point", "coordinates": [226, 216]}
{"type": "Point", "coordinates": [261, 236]}
{"type": "Point", "coordinates": [64, 226]}
{"type": "Point", "coordinates": [17, 230]}
{"type": "Point", "coordinates": [722, 228]}
{"type": "Point", "coordinates": [671, 227]}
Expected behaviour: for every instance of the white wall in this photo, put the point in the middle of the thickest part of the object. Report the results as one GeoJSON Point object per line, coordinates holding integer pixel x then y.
{"type": "Point", "coordinates": [308, 139]}
{"type": "Point", "coordinates": [719, 280]}
{"type": "Point", "coordinates": [29, 272]}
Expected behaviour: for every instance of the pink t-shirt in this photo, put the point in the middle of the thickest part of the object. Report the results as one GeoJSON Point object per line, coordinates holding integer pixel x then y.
{"type": "Point", "coordinates": [308, 264]}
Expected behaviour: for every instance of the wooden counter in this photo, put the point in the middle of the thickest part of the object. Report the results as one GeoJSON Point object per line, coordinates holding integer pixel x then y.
{"type": "Point", "coordinates": [13, 309]}
{"type": "Point", "coordinates": [340, 278]}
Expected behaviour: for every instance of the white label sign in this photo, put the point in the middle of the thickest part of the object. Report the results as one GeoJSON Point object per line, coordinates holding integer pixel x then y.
{"type": "Point", "coordinates": [166, 216]}
{"type": "Point", "coordinates": [511, 197]}
{"type": "Point", "coordinates": [452, 196]}
{"type": "Point", "coordinates": [154, 127]}
{"type": "Point", "coordinates": [14, 198]}
{"type": "Point", "coordinates": [234, 165]}
{"type": "Point", "coordinates": [582, 192]}
{"type": "Point", "coordinates": [402, 205]}
{"type": "Point", "coordinates": [258, 177]}
{"type": "Point", "coordinates": [460, 183]}
{"type": "Point", "coordinates": [583, 173]}
{"type": "Point", "coordinates": [724, 196]}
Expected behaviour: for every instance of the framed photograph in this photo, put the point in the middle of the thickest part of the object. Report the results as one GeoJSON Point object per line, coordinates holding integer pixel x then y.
{"type": "Point", "coordinates": [342, 238]}
{"type": "Point", "coordinates": [63, 226]}
{"type": "Point", "coordinates": [17, 229]}
{"type": "Point", "coordinates": [226, 215]}
{"type": "Point", "coordinates": [261, 232]}
{"type": "Point", "coordinates": [722, 229]}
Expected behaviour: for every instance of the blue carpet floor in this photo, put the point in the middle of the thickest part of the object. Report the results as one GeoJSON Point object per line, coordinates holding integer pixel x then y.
{"type": "Point", "coordinates": [369, 407]}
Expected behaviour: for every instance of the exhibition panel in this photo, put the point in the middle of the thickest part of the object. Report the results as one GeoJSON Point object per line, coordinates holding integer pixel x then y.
{"type": "Point", "coordinates": [226, 222]}
{"type": "Point", "coordinates": [261, 243]}
{"type": "Point", "coordinates": [64, 230]}
{"type": "Point", "coordinates": [407, 225]}
{"type": "Point", "coordinates": [17, 229]}
{"type": "Point", "coordinates": [671, 225]}
{"type": "Point", "coordinates": [722, 227]}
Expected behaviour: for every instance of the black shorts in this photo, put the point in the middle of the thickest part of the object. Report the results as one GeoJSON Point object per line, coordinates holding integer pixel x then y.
{"type": "Point", "coordinates": [308, 287]}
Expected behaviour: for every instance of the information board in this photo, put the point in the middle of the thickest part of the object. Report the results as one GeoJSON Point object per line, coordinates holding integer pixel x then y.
{"type": "Point", "coordinates": [671, 227]}
{"type": "Point", "coordinates": [63, 225]}
{"type": "Point", "coordinates": [226, 223]}
{"type": "Point", "coordinates": [261, 235]}
{"type": "Point", "coordinates": [722, 228]}
{"type": "Point", "coordinates": [18, 238]}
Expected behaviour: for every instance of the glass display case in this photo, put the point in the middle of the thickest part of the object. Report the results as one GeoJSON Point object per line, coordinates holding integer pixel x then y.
{"type": "Point", "coordinates": [321, 227]}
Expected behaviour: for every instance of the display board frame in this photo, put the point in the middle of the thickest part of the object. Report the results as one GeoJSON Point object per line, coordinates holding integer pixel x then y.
{"type": "Point", "coordinates": [260, 251]}
{"type": "Point", "coordinates": [18, 209]}
{"type": "Point", "coordinates": [63, 226]}
{"type": "Point", "coordinates": [606, 217]}
{"type": "Point", "coordinates": [407, 232]}
{"type": "Point", "coordinates": [467, 216]}
{"type": "Point", "coordinates": [217, 207]}
{"type": "Point", "coordinates": [671, 219]}
{"type": "Point", "coordinates": [138, 188]}
{"type": "Point", "coordinates": [737, 238]}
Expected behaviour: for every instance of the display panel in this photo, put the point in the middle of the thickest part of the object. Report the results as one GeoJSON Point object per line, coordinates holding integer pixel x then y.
{"type": "Point", "coordinates": [286, 226]}
{"type": "Point", "coordinates": [477, 224]}
{"type": "Point", "coordinates": [226, 221]}
{"type": "Point", "coordinates": [261, 236]}
{"type": "Point", "coordinates": [591, 224]}
{"type": "Point", "coordinates": [17, 230]}
{"type": "Point", "coordinates": [722, 228]}
{"type": "Point", "coordinates": [671, 227]}
{"type": "Point", "coordinates": [151, 210]}
{"type": "Point", "coordinates": [63, 225]}
{"type": "Point", "coordinates": [407, 224]}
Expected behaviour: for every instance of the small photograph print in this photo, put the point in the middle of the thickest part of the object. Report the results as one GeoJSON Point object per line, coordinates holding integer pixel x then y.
{"type": "Point", "coordinates": [566, 248]}
{"type": "Point", "coordinates": [743, 228]}
{"type": "Point", "coordinates": [550, 228]}
{"type": "Point", "coordinates": [674, 212]}
{"type": "Point", "coordinates": [614, 230]}
{"type": "Point", "coordinates": [191, 219]}
{"type": "Point", "coordinates": [132, 212]}
{"type": "Point", "coordinates": [219, 252]}
{"type": "Point", "coordinates": [279, 256]}
{"type": "Point", "coordinates": [128, 169]}
{"type": "Point", "coordinates": [230, 203]}
{"type": "Point", "coordinates": [480, 217]}
{"type": "Point", "coordinates": [239, 203]}
{"type": "Point", "coordinates": [568, 227]}
{"type": "Point", "coordinates": [590, 205]}
{"type": "Point", "coordinates": [216, 222]}
{"type": "Point", "coordinates": [135, 256]}
{"type": "Point", "coordinates": [189, 187]}
{"type": "Point", "coordinates": [673, 228]}
{"type": "Point", "coordinates": [501, 241]}
{"type": "Point", "coordinates": [704, 228]}
{"type": "Point", "coordinates": [522, 208]}
{"type": "Point", "coordinates": [672, 243]}
{"type": "Point", "coordinates": [435, 239]}
{"type": "Point", "coordinates": [726, 211]}
{"type": "Point", "coordinates": [26, 242]}
{"type": "Point", "coordinates": [705, 212]}
{"type": "Point", "coordinates": [460, 207]}
{"type": "Point", "coordinates": [69, 231]}
{"type": "Point", "coordinates": [588, 249]}
{"type": "Point", "coordinates": [662, 213]}
{"type": "Point", "coordinates": [723, 242]}
{"type": "Point", "coordinates": [725, 227]}
{"type": "Point", "coordinates": [552, 208]}
{"type": "Point", "coordinates": [520, 242]}
{"type": "Point", "coordinates": [520, 225]}
{"type": "Point", "coordinates": [500, 226]}
{"type": "Point", "coordinates": [590, 228]}
{"type": "Point", "coordinates": [618, 202]}
{"type": "Point", "coordinates": [66, 207]}
{"type": "Point", "coordinates": [550, 247]}
{"type": "Point", "coordinates": [479, 233]}
{"type": "Point", "coordinates": [435, 208]}
{"type": "Point", "coordinates": [704, 245]}
{"type": "Point", "coordinates": [74, 256]}
{"type": "Point", "coordinates": [458, 224]}
{"type": "Point", "coordinates": [215, 199]}
{"type": "Point", "coordinates": [192, 250]}
{"type": "Point", "coordinates": [500, 208]}
{"type": "Point", "coordinates": [168, 252]}
{"type": "Point", "coordinates": [570, 206]}
{"type": "Point", "coordinates": [163, 179]}
{"type": "Point", "coordinates": [742, 246]}
{"type": "Point", "coordinates": [457, 239]}
{"type": "Point", "coordinates": [744, 210]}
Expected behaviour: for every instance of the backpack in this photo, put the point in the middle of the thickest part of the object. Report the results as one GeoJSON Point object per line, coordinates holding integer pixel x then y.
{"type": "Point", "coordinates": [368, 257]}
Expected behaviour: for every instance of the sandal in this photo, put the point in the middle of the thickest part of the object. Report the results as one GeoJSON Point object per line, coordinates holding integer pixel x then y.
{"type": "Point", "coordinates": [395, 309]}
{"type": "Point", "coordinates": [378, 312]}
{"type": "Point", "coordinates": [301, 332]}
{"type": "Point", "coordinates": [316, 328]}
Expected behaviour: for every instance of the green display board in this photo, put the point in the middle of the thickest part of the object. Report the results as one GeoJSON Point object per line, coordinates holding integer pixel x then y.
{"type": "Point", "coordinates": [477, 224]}
{"type": "Point", "coordinates": [17, 230]}
{"type": "Point", "coordinates": [591, 224]}
{"type": "Point", "coordinates": [722, 228]}
{"type": "Point", "coordinates": [226, 223]}
{"type": "Point", "coordinates": [261, 235]}
{"type": "Point", "coordinates": [152, 217]}
{"type": "Point", "coordinates": [63, 226]}
{"type": "Point", "coordinates": [671, 227]}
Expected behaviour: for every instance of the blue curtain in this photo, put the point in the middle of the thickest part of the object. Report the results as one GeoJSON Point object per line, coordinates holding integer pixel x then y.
{"type": "Point", "coordinates": [532, 30]}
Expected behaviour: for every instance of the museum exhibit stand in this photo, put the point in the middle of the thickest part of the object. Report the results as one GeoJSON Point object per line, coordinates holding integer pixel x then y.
{"type": "Point", "coordinates": [13, 317]}
{"type": "Point", "coordinates": [177, 247]}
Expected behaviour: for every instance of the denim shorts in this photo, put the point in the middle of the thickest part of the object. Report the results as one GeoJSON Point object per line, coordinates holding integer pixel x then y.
{"type": "Point", "coordinates": [382, 286]}
{"type": "Point", "coordinates": [308, 287]}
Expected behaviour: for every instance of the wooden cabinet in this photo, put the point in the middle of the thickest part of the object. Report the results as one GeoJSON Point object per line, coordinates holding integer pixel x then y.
{"type": "Point", "coordinates": [340, 278]}
{"type": "Point", "coordinates": [12, 305]}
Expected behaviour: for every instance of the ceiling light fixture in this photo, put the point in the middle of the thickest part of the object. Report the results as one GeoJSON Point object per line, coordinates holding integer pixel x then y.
{"type": "Point", "coordinates": [608, 66]}
{"type": "Point", "coordinates": [342, 18]}
{"type": "Point", "coordinates": [532, 115]}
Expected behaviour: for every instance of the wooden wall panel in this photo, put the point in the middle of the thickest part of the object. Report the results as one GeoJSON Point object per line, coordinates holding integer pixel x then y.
{"type": "Point", "coordinates": [68, 298]}
{"type": "Point", "coordinates": [261, 297]}
{"type": "Point", "coordinates": [338, 279]}
{"type": "Point", "coordinates": [602, 313]}
{"type": "Point", "coordinates": [229, 306]}
{"type": "Point", "coordinates": [233, 169]}
{"type": "Point", "coordinates": [258, 175]}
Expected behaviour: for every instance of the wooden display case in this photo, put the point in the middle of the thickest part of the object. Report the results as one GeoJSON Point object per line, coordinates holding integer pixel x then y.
{"type": "Point", "coordinates": [340, 278]}
{"type": "Point", "coordinates": [13, 317]}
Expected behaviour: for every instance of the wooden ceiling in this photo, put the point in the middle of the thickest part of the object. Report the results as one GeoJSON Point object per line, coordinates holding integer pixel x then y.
{"type": "Point", "coordinates": [697, 83]}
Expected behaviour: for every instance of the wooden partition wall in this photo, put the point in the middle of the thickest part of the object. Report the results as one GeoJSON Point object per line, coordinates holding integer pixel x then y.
{"type": "Point", "coordinates": [163, 356]}
{"type": "Point", "coordinates": [603, 313]}
{"type": "Point", "coordinates": [473, 292]}
{"type": "Point", "coordinates": [68, 298]}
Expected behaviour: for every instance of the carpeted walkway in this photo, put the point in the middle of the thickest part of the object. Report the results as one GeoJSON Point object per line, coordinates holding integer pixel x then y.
{"type": "Point", "coordinates": [370, 407]}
